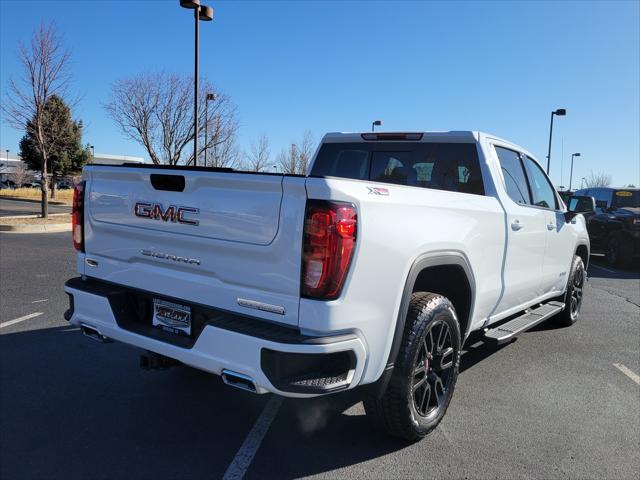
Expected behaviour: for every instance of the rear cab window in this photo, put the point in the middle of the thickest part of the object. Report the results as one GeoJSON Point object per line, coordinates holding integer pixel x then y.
{"type": "Point", "coordinates": [437, 165]}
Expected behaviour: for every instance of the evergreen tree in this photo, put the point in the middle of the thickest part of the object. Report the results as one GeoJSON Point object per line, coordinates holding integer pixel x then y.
{"type": "Point", "coordinates": [64, 137]}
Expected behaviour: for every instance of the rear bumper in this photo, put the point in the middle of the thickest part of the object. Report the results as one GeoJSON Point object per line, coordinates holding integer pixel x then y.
{"type": "Point", "coordinates": [279, 359]}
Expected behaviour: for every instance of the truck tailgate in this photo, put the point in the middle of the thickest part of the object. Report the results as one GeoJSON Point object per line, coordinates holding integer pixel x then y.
{"type": "Point", "coordinates": [220, 239]}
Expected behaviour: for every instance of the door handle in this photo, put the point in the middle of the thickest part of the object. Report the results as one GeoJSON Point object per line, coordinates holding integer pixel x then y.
{"type": "Point", "coordinates": [550, 226]}
{"type": "Point", "coordinates": [516, 225]}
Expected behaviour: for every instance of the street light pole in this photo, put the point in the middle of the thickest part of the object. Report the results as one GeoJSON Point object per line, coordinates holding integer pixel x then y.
{"type": "Point", "coordinates": [210, 96]}
{"type": "Point", "coordinates": [200, 12]}
{"type": "Point", "coordinates": [571, 175]}
{"type": "Point", "coordinates": [561, 112]}
{"type": "Point", "coordinates": [215, 144]}
{"type": "Point", "coordinates": [196, 12]}
{"type": "Point", "coordinates": [375, 124]}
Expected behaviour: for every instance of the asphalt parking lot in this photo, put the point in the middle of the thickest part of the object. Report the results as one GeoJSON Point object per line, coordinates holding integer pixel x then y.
{"type": "Point", "coordinates": [552, 404]}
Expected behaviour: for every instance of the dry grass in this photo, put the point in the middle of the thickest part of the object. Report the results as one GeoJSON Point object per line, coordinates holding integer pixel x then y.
{"type": "Point", "coordinates": [36, 220]}
{"type": "Point", "coordinates": [65, 196]}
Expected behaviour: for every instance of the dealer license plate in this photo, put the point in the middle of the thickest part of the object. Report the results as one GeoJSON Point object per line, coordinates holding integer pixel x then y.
{"type": "Point", "coordinates": [172, 317]}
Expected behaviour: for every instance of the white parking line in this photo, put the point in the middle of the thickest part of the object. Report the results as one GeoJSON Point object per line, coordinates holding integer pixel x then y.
{"type": "Point", "coordinates": [21, 319]}
{"type": "Point", "coordinates": [40, 301]}
{"type": "Point", "coordinates": [629, 373]}
{"type": "Point", "coordinates": [251, 444]}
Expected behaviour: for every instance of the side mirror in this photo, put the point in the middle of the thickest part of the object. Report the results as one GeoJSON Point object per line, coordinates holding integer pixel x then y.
{"type": "Point", "coordinates": [578, 204]}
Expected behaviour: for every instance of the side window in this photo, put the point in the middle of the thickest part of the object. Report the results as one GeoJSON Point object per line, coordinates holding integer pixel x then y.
{"type": "Point", "coordinates": [514, 178]}
{"type": "Point", "coordinates": [543, 193]}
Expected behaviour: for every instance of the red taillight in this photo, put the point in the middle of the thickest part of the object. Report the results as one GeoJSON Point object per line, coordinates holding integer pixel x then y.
{"type": "Point", "coordinates": [77, 217]}
{"type": "Point", "coordinates": [329, 240]}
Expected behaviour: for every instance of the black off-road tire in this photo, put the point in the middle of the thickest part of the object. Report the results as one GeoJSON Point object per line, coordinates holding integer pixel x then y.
{"type": "Point", "coordinates": [619, 251]}
{"type": "Point", "coordinates": [574, 294]}
{"type": "Point", "coordinates": [420, 388]}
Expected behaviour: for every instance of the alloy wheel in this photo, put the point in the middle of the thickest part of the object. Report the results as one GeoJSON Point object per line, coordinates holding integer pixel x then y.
{"type": "Point", "coordinates": [575, 301]}
{"type": "Point", "coordinates": [433, 370]}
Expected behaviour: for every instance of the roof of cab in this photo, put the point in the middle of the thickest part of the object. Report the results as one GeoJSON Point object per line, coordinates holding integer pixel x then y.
{"type": "Point", "coordinates": [444, 136]}
{"type": "Point", "coordinates": [335, 137]}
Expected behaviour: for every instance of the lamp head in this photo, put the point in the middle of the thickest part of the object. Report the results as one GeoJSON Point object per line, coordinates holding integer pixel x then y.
{"type": "Point", "coordinates": [205, 13]}
{"type": "Point", "coordinates": [377, 123]}
{"type": "Point", "coordinates": [191, 4]}
{"type": "Point", "coordinates": [575, 155]}
{"type": "Point", "coordinates": [561, 112]}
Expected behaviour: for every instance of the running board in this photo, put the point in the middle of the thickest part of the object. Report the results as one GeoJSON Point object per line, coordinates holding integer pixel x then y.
{"type": "Point", "coordinates": [529, 319]}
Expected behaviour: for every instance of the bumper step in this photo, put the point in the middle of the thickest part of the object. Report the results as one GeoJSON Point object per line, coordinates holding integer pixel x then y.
{"type": "Point", "coordinates": [529, 319]}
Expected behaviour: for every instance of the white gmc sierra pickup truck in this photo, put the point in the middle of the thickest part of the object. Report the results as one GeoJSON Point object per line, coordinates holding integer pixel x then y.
{"type": "Point", "coordinates": [372, 269]}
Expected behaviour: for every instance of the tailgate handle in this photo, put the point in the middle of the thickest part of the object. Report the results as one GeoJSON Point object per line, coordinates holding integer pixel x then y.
{"type": "Point", "coordinates": [169, 183]}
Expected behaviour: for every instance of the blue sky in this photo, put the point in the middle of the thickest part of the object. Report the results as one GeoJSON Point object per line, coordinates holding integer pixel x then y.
{"type": "Point", "coordinates": [499, 67]}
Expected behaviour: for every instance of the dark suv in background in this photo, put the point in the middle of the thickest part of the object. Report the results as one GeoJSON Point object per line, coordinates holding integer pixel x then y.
{"type": "Point", "coordinates": [615, 226]}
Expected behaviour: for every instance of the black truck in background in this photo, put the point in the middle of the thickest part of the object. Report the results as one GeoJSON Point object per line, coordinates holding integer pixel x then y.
{"type": "Point", "coordinates": [615, 226]}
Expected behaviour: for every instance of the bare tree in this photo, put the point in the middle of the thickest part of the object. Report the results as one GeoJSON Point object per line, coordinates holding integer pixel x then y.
{"type": "Point", "coordinates": [296, 159]}
{"type": "Point", "coordinates": [288, 160]}
{"type": "Point", "coordinates": [19, 174]}
{"type": "Point", "coordinates": [259, 156]}
{"type": "Point", "coordinates": [305, 150]}
{"type": "Point", "coordinates": [45, 73]}
{"type": "Point", "coordinates": [600, 179]}
{"type": "Point", "coordinates": [156, 110]}
{"type": "Point", "coordinates": [224, 154]}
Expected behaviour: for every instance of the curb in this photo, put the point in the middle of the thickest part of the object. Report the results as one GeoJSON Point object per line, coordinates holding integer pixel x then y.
{"type": "Point", "coordinates": [51, 228]}
{"type": "Point", "coordinates": [2, 217]}
{"type": "Point", "coordinates": [21, 199]}
{"type": "Point", "coordinates": [33, 216]}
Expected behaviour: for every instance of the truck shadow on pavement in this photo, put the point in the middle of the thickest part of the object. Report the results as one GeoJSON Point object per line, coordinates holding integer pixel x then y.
{"type": "Point", "coordinates": [598, 268]}
{"type": "Point", "coordinates": [73, 408]}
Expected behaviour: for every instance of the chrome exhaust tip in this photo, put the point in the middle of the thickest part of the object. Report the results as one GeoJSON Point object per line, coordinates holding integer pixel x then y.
{"type": "Point", "coordinates": [94, 334]}
{"type": "Point", "coordinates": [238, 380]}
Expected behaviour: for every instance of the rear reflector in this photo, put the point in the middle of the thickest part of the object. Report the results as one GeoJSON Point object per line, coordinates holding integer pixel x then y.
{"type": "Point", "coordinates": [77, 217]}
{"type": "Point", "coordinates": [329, 240]}
{"type": "Point", "coordinates": [391, 136]}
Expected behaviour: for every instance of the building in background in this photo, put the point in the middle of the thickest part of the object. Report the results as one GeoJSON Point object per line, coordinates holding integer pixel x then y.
{"type": "Point", "coordinates": [10, 164]}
